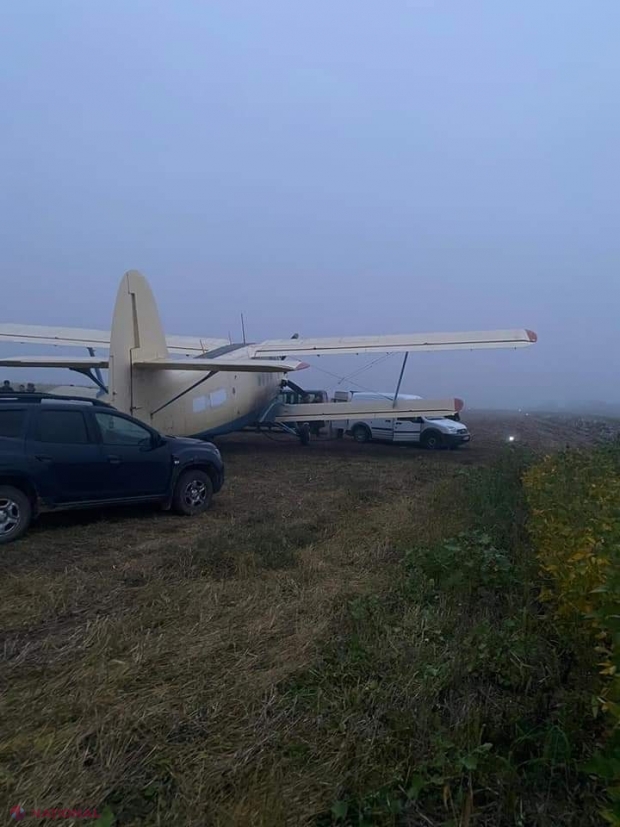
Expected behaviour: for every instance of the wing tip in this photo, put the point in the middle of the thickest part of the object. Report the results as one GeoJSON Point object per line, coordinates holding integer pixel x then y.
{"type": "Point", "coordinates": [533, 337]}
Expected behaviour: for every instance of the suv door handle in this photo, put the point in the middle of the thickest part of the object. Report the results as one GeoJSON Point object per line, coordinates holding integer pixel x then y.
{"type": "Point", "coordinates": [114, 460]}
{"type": "Point", "coordinates": [43, 458]}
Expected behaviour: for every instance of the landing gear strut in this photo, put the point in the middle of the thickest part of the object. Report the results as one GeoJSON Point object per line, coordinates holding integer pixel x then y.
{"type": "Point", "coordinates": [301, 430]}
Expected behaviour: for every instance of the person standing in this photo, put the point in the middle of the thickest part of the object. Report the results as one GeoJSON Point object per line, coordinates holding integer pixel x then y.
{"type": "Point", "coordinates": [6, 387]}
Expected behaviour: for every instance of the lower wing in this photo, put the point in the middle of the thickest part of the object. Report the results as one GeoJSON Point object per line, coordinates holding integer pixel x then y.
{"type": "Point", "coordinates": [333, 411]}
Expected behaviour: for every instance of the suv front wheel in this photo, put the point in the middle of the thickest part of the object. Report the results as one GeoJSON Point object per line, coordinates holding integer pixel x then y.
{"type": "Point", "coordinates": [192, 493]}
{"type": "Point", "coordinates": [15, 513]}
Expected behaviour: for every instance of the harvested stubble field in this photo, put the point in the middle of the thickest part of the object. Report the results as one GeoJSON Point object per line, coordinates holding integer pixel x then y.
{"type": "Point", "coordinates": [237, 669]}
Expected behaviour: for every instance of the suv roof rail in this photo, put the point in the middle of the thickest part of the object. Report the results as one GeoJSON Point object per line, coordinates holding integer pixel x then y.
{"type": "Point", "coordinates": [36, 396]}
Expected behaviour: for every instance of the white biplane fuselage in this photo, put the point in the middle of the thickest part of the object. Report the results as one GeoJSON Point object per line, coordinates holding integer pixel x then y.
{"type": "Point", "coordinates": [189, 386]}
{"type": "Point", "coordinates": [223, 403]}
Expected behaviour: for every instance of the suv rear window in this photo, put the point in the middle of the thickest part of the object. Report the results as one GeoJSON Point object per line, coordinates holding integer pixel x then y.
{"type": "Point", "coordinates": [12, 423]}
{"type": "Point", "coordinates": [66, 427]}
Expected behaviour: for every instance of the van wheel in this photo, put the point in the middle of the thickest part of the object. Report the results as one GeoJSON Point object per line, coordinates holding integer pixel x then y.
{"type": "Point", "coordinates": [192, 493]}
{"type": "Point", "coordinates": [15, 513]}
{"type": "Point", "coordinates": [432, 440]}
{"type": "Point", "coordinates": [361, 433]}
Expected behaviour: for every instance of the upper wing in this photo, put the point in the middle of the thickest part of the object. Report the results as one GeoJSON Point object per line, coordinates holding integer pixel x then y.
{"type": "Point", "coordinates": [191, 345]}
{"type": "Point", "coordinates": [79, 337]}
{"type": "Point", "coordinates": [39, 335]}
{"type": "Point", "coordinates": [391, 344]}
{"type": "Point", "coordinates": [333, 411]}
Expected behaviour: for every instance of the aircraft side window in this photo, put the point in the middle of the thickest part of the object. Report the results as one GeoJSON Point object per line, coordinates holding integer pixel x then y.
{"type": "Point", "coordinates": [218, 397]}
{"type": "Point", "coordinates": [115, 430]}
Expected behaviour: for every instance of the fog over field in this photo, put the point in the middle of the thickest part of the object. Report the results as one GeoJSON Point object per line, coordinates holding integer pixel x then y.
{"type": "Point", "coordinates": [327, 169]}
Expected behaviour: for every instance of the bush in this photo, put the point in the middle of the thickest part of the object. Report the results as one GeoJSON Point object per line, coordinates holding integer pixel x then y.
{"type": "Point", "coordinates": [469, 564]}
{"type": "Point", "coordinates": [574, 500]}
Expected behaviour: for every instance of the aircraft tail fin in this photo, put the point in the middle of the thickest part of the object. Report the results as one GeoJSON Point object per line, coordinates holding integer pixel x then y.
{"type": "Point", "coordinates": [137, 335]}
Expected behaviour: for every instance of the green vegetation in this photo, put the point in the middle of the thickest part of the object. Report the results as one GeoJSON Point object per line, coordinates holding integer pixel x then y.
{"type": "Point", "coordinates": [378, 639]}
{"type": "Point", "coordinates": [451, 699]}
{"type": "Point", "coordinates": [574, 499]}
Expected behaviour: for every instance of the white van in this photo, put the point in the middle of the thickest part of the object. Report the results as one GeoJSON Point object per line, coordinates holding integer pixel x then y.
{"type": "Point", "coordinates": [428, 431]}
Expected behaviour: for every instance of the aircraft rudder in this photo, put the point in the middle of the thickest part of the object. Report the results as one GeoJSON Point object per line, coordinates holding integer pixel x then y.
{"type": "Point", "coordinates": [136, 334]}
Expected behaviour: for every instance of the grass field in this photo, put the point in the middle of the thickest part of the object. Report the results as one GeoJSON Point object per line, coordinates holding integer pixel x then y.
{"type": "Point", "coordinates": [295, 656]}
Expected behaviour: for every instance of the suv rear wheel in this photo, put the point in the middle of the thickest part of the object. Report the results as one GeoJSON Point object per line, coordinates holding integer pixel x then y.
{"type": "Point", "coordinates": [192, 493]}
{"type": "Point", "coordinates": [15, 513]}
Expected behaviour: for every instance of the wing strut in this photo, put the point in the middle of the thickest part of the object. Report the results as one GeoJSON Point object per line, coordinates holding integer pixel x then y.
{"type": "Point", "coordinates": [400, 378]}
{"type": "Point", "coordinates": [97, 372]}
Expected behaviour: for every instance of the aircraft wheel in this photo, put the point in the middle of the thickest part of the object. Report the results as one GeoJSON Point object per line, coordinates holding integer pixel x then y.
{"type": "Point", "coordinates": [361, 433]}
{"type": "Point", "coordinates": [304, 434]}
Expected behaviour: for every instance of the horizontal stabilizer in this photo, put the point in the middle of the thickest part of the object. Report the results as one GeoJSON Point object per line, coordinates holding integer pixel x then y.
{"type": "Point", "coordinates": [393, 344]}
{"type": "Point", "coordinates": [71, 362]}
{"type": "Point", "coordinates": [374, 409]}
{"type": "Point", "coordinates": [236, 366]}
{"type": "Point", "coordinates": [77, 337]}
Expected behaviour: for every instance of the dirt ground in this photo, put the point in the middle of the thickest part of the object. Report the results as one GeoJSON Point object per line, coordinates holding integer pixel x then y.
{"type": "Point", "coordinates": [141, 651]}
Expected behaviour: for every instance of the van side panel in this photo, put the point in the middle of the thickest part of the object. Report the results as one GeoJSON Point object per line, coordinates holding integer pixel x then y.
{"type": "Point", "coordinates": [381, 428]}
{"type": "Point", "coordinates": [407, 430]}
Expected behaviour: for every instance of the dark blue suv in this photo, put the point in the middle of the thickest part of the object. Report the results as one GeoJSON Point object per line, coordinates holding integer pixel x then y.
{"type": "Point", "coordinates": [60, 453]}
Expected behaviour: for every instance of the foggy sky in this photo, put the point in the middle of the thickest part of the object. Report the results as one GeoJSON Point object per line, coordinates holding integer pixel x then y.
{"type": "Point", "coordinates": [327, 167]}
